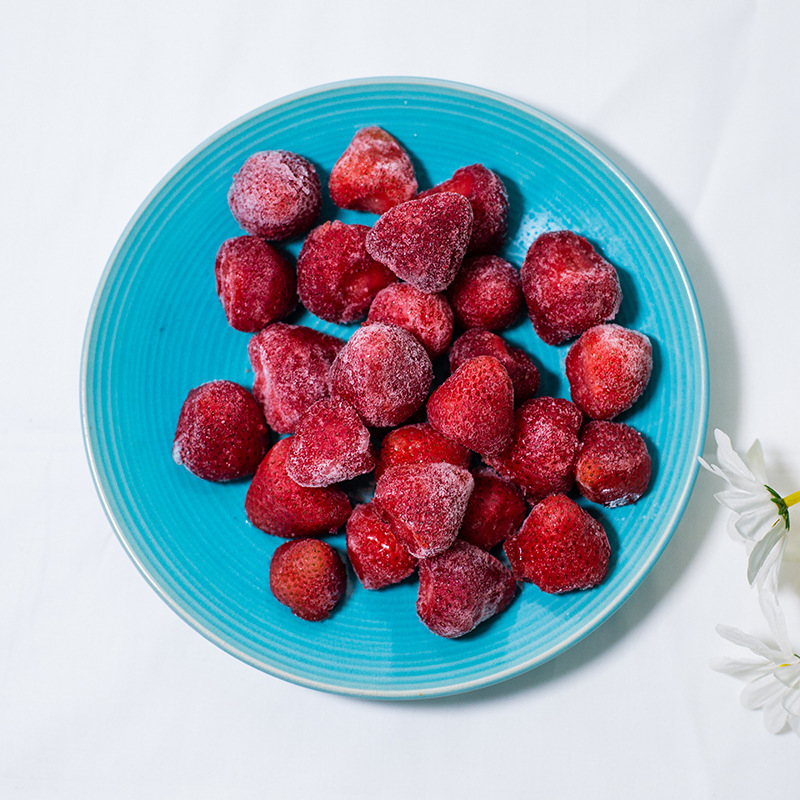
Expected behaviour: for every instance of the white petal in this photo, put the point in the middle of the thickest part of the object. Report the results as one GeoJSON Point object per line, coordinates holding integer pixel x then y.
{"type": "Point", "coordinates": [763, 548]}
{"type": "Point", "coordinates": [791, 702]}
{"type": "Point", "coordinates": [762, 691]}
{"type": "Point", "coordinates": [740, 667]}
{"type": "Point", "coordinates": [755, 460]}
{"type": "Point", "coordinates": [789, 675]}
{"type": "Point", "coordinates": [775, 716]}
{"type": "Point", "coordinates": [753, 499]}
{"type": "Point", "coordinates": [753, 524]}
{"type": "Point", "coordinates": [767, 585]}
{"type": "Point", "coordinates": [752, 643]}
{"type": "Point", "coordinates": [794, 724]}
{"type": "Point", "coordinates": [729, 459]}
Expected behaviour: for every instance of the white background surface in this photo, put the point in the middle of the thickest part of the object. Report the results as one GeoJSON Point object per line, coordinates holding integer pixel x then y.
{"type": "Point", "coordinates": [104, 692]}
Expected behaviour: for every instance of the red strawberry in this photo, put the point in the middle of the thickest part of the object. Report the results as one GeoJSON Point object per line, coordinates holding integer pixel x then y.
{"type": "Point", "coordinates": [486, 293]}
{"type": "Point", "coordinates": [276, 194]}
{"type": "Point", "coordinates": [277, 505]}
{"type": "Point", "coordinates": [495, 510]}
{"type": "Point", "coordinates": [428, 316]}
{"type": "Point", "coordinates": [336, 277]}
{"type": "Point", "coordinates": [378, 557]}
{"type": "Point", "coordinates": [460, 588]}
{"type": "Point", "coordinates": [331, 445]}
{"type": "Point", "coordinates": [522, 371]}
{"type": "Point", "coordinates": [291, 365]}
{"type": "Point", "coordinates": [569, 286]}
{"type": "Point", "coordinates": [560, 547]}
{"type": "Point", "coordinates": [256, 284]}
{"type": "Point", "coordinates": [384, 373]}
{"type": "Point", "coordinates": [309, 577]}
{"type": "Point", "coordinates": [425, 504]}
{"type": "Point", "coordinates": [613, 466]}
{"type": "Point", "coordinates": [475, 406]}
{"type": "Point", "coordinates": [423, 241]}
{"type": "Point", "coordinates": [419, 444]}
{"type": "Point", "coordinates": [221, 433]}
{"type": "Point", "coordinates": [489, 201]}
{"type": "Point", "coordinates": [541, 458]}
{"type": "Point", "coordinates": [608, 369]}
{"type": "Point", "coordinates": [373, 174]}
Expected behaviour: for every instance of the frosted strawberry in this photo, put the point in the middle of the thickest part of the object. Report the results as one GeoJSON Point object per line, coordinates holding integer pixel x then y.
{"type": "Point", "coordinates": [256, 284]}
{"type": "Point", "coordinates": [331, 445]}
{"type": "Point", "coordinates": [384, 373]}
{"type": "Point", "coordinates": [489, 200]}
{"type": "Point", "coordinates": [542, 455]}
{"type": "Point", "coordinates": [278, 505]}
{"type": "Point", "coordinates": [337, 279]}
{"type": "Point", "coordinates": [423, 241]}
{"type": "Point", "coordinates": [460, 588]}
{"type": "Point", "coordinates": [569, 287]}
{"type": "Point", "coordinates": [276, 194]}
{"type": "Point", "coordinates": [428, 316]}
{"type": "Point", "coordinates": [425, 504]}
{"type": "Point", "coordinates": [221, 433]}
{"type": "Point", "coordinates": [522, 371]}
{"type": "Point", "coordinates": [291, 365]}
{"type": "Point", "coordinates": [378, 557]}
{"type": "Point", "coordinates": [486, 293]}
{"type": "Point", "coordinates": [373, 174]}
{"type": "Point", "coordinates": [496, 509]}
{"type": "Point", "coordinates": [560, 547]}
{"type": "Point", "coordinates": [419, 444]}
{"type": "Point", "coordinates": [608, 369]}
{"type": "Point", "coordinates": [309, 577]}
{"type": "Point", "coordinates": [613, 466]}
{"type": "Point", "coordinates": [475, 406]}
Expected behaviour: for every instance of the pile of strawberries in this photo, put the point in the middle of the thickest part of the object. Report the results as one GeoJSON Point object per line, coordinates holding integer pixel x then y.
{"type": "Point", "coordinates": [461, 469]}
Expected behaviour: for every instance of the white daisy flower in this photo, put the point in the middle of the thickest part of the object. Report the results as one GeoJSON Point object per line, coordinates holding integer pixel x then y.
{"type": "Point", "coordinates": [773, 678]}
{"type": "Point", "coordinates": [762, 515]}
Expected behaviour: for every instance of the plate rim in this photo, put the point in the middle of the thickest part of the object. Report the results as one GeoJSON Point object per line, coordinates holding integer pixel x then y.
{"type": "Point", "coordinates": [591, 623]}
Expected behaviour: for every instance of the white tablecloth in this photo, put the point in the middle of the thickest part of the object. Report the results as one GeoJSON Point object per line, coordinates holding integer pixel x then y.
{"type": "Point", "coordinates": [104, 691]}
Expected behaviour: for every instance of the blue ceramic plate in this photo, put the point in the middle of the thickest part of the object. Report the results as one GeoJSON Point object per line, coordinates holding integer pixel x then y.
{"type": "Point", "coordinates": [157, 329]}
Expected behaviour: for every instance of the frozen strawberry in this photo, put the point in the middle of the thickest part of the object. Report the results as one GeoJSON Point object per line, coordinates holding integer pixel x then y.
{"type": "Point", "coordinates": [613, 466]}
{"type": "Point", "coordinates": [291, 365]}
{"type": "Point", "coordinates": [560, 547]}
{"type": "Point", "coordinates": [425, 504]}
{"type": "Point", "coordinates": [276, 194]}
{"type": "Point", "coordinates": [221, 433]}
{"type": "Point", "coordinates": [419, 444]}
{"type": "Point", "coordinates": [489, 200]}
{"type": "Point", "coordinates": [522, 371]}
{"type": "Point", "coordinates": [462, 587]}
{"type": "Point", "coordinates": [277, 505]}
{"type": "Point", "coordinates": [309, 577]}
{"type": "Point", "coordinates": [486, 293]}
{"type": "Point", "coordinates": [608, 369]}
{"type": "Point", "coordinates": [373, 174]}
{"type": "Point", "coordinates": [336, 277]}
{"type": "Point", "coordinates": [569, 287]}
{"type": "Point", "coordinates": [428, 316]}
{"type": "Point", "coordinates": [541, 458]}
{"type": "Point", "coordinates": [378, 557]}
{"type": "Point", "coordinates": [475, 406]}
{"type": "Point", "coordinates": [496, 509]}
{"type": "Point", "coordinates": [331, 445]}
{"type": "Point", "coordinates": [423, 241]}
{"type": "Point", "coordinates": [256, 284]}
{"type": "Point", "coordinates": [384, 373]}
